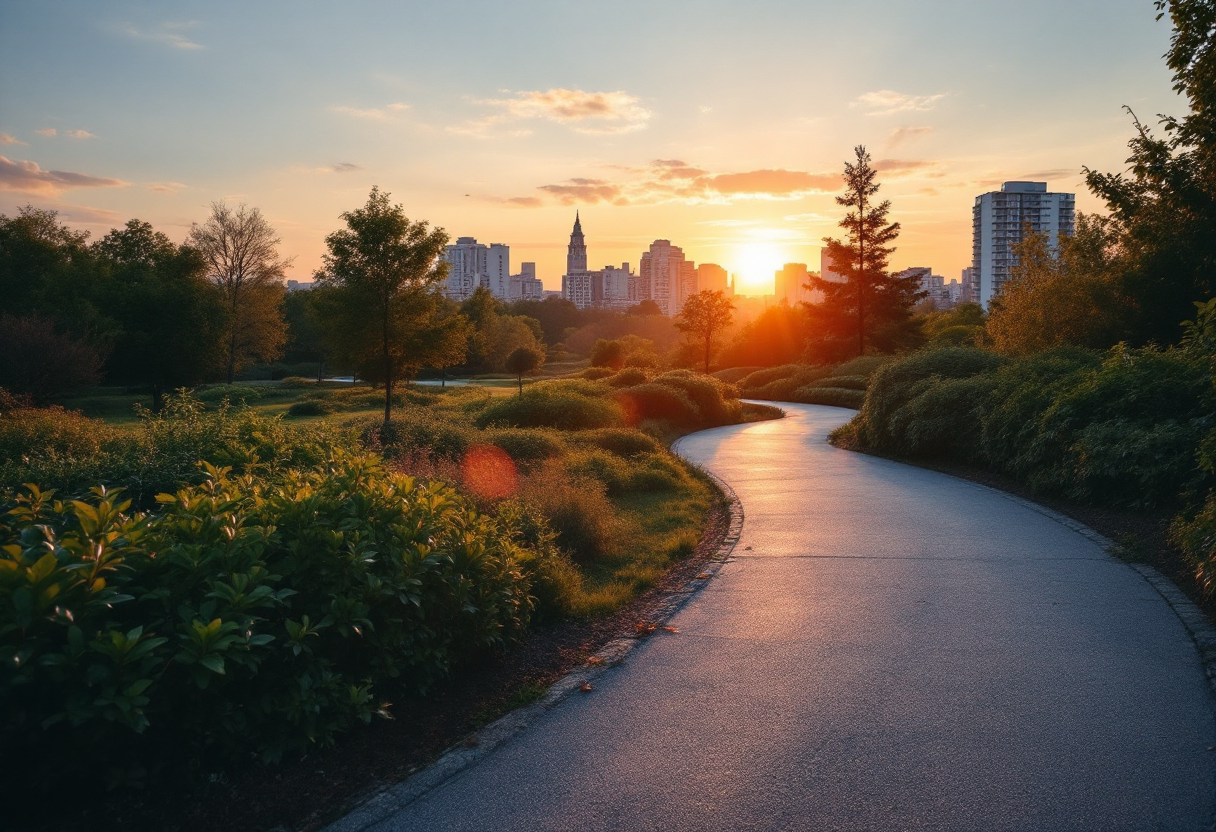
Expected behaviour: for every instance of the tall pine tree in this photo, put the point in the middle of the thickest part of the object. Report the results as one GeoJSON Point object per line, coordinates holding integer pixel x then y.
{"type": "Point", "coordinates": [871, 308]}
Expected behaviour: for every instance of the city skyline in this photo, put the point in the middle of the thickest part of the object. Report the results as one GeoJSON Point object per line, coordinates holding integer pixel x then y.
{"type": "Point", "coordinates": [731, 147]}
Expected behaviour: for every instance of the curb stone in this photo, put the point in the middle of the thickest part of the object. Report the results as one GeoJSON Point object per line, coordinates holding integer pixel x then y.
{"type": "Point", "coordinates": [485, 741]}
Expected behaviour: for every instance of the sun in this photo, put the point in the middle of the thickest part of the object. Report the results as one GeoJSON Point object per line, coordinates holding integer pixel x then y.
{"type": "Point", "coordinates": [754, 265]}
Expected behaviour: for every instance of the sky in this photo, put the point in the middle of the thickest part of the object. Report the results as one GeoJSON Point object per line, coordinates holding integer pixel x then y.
{"type": "Point", "coordinates": [721, 126]}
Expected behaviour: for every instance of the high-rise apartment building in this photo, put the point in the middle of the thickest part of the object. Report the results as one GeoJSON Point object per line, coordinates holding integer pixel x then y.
{"type": "Point", "coordinates": [713, 277]}
{"type": "Point", "coordinates": [789, 284]}
{"type": "Point", "coordinates": [999, 220]}
{"type": "Point", "coordinates": [472, 264]}
{"type": "Point", "coordinates": [526, 285]}
{"type": "Point", "coordinates": [659, 276]}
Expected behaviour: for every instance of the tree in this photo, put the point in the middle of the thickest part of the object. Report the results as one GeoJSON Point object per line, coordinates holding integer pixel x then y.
{"type": "Point", "coordinates": [241, 251]}
{"type": "Point", "coordinates": [41, 362]}
{"type": "Point", "coordinates": [1163, 210]}
{"type": "Point", "coordinates": [1070, 296]}
{"type": "Point", "coordinates": [449, 341]}
{"type": "Point", "coordinates": [872, 303]}
{"type": "Point", "coordinates": [777, 336]}
{"type": "Point", "coordinates": [379, 274]}
{"type": "Point", "coordinates": [704, 316]}
{"type": "Point", "coordinates": [524, 360]}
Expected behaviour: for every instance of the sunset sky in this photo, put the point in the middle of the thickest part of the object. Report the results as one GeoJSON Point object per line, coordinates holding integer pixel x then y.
{"type": "Point", "coordinates": [722, 126]}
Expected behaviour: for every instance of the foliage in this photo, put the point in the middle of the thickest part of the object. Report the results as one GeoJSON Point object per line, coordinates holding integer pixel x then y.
{"type": "Point", "coordinates": [245, 616]}
{"type": "Point", "coordinates": [872, 306]}
{"type": "Point", "coordinates": [240, 250]}
{"type": "Point", "coordinates": [826, 394]}
{"type": "Point", "coordinates": [703, 318]}
{"type": "Point", "coordinates": [381, 269]}
{"type": "Point", "coordinates": [777, 336]}
{"type": "Point", "coordinates": [566, 405]}
{"type": "Point", "coordinates": [1064, 298]}
{"type": "Point", "coordinates": [39, 360]}
{"type": "Point", "coordinates": [524, 360]}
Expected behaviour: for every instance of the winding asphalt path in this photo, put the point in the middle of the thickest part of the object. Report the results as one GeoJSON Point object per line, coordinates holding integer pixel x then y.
{"type": "Point", "coordinates": [888, 649]}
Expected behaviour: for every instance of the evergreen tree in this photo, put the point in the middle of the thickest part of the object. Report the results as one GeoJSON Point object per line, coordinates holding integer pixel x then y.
{"type": "Point", "coordinates": [871, 305]}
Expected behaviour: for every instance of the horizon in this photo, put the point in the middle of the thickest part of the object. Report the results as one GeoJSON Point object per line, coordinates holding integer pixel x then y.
{"type": "Point", "coordinates": [729, 146]}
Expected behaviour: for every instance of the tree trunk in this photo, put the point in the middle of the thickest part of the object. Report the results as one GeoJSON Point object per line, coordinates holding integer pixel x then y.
{"type": "Point", "coordinates": [158, 397]}
{"type": "Point", "coordinates": [320, 370]}
{"type": "Point", "coordinates": [521, 385]}
{"type": "Point", "coordinates": [861, 276]}
{"type": "Point", "coordinates": [388, 370]}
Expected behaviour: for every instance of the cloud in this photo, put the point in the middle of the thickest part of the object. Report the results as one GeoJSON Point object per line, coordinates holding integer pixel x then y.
{"type": "Point", "coordinates": [46, 131]}
{"type": "Point", "coordinates": [903, 166]}
{"type": "Point", "coordinates": [89, 216]}
{"type": "Point", "coordinates": [28, 177]}
{"type": "Point", "coordinates": [165, 187]}
{"type": "Point", "coordinates": [79, 134]}
{"type": "Point", "coordinates": [673, 180]}
{"type": "Point", "coordinates": [525, 201]}
{"type": "Point", "coordinates": [888, 102]}
{"type": "Point", "coordinates": [5, 138]}
{"type": "Point", "coordinates": [587, 191]}
{"type": "Point", "coordinates": [593, 113]}
{"type": "Point", "coordinates": [774, 184]}
{"type": "Point", "coordinates": [166, 36]}
{"type": "Point", "coordinates": [904, 134]}
{"type": "Point", "coordinates": [705, 108]}
{"type": "Point", "coordinates": [389, 112]}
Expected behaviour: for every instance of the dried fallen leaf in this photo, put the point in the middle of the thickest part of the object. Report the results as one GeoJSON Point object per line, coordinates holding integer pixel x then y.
{"type": "Point", "coordinates": [671, 629]}
{"type": "Point", "coordinates": [471, 742]}
{"type": "Point", "coordinates": [586, 688]}
{"type": "Point", "coordinates": [645, 628]}
{"type": "Point", "coordinates": [704, 575]}
{"type": "Point", "coordinates": [595, 661]}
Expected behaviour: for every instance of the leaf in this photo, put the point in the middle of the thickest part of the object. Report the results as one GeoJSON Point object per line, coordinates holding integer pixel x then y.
{"type": "Point", "coordinates": [587, 687]}
{"type": "Point", "coordinates": [213, 662]}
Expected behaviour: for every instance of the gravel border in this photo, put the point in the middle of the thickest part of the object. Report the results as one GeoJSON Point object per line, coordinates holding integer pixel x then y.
{"type": "Point", "coordinates": [484, 742]}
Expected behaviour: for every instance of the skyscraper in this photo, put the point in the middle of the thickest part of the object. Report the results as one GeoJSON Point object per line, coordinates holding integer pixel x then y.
{"type": "Point", "coordinates": [576, 253]}
{"type": "Point", "coordinates": [659, 276]}
{"type": "Point", "coordinates": [999, 220]}
{"type": "Point", "coordinates": [472, 264]}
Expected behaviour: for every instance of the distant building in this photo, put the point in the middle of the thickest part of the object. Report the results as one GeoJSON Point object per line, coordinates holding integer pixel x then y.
{"type": "Point", "coordinates": [659, 277]}
{"type": "Point", "coordinates": [829, 270]}
{"type": "Point", "coordinates": [999, 220]}
{"type": "Point", "coordinates": [944, 295]}
{"type": "Point", "coordinates": [789, 284]}
{"type": "Point", "coordinates": [606, 287]}
{"type": "Point", "coordinates": [472, 264]}
{"type": "Point", "coordinates": [525, 285]}
{"type": "Point", "coordinates": [713, 277]}
{"type": "Point", "coordinates": [968, 291]}
{"type": "Point", "coordinates": [297, 286]}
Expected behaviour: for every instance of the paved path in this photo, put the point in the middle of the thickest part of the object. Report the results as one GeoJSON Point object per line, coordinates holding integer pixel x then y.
{"type": "Point", "coordinates": [889, 649]}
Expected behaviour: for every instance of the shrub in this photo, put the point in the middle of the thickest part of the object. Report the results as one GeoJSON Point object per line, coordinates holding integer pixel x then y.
{"type": "Point", "coordinates": [734, 375]}
{"type": "Point", "coordinates": [527, 445]}
{"type": "Point", "coordinates": [417, 432]}
{"type": "Point", "coordinates": [576, 507]}
{"type": "Point", "coordinates": [310, 407]}
{"type": "Point", "coordinates": [629, 377]}
{"type": "Point", "coordinates": [620, 441]}
{"type": "Point", "coordinates": [265, 623]}
{"type": "Point", "coordinates": [896, 384]}
{"type": "Point", "coordinates": [946, 418]}
{"type": "Point", "coordinates": [865, 365]}
{"type": "Point", "coordinates": [298, 383]}
{"type": "Point", "coordinates": [843, 382]}
{"type": "Point", "coordinates": [566, 405]}
{"type": "Point", "coordinates": [716, 401]}
{"type": "Point", "coordinates": [834, 396]}
{"type": "Point", "coordinates": [596, 373]}
{"type": "Point", "coordinates": [237, 394]}
{"type": "Point", "coordinates": [658, 402]}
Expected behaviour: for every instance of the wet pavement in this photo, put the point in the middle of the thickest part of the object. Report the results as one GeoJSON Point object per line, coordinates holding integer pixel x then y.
{"type": "Point", "coordinates": [890, 648]}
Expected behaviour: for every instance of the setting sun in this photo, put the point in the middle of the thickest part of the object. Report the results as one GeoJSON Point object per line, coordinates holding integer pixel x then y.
{"type": "Point", "coordinates": [754, 263]}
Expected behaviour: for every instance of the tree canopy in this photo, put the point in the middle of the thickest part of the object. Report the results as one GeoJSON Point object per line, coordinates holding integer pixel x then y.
{"type": "Point", "coordinates": [704, 316]}
{"type": "Point", "coordinates": [377, 287]}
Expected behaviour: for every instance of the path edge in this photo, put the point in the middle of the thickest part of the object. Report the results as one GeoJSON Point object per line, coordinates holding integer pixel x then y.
{"type": "Point", "coordinates": [484, 742]}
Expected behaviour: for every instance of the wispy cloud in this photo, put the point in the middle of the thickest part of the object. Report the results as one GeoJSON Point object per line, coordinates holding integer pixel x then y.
{"type": "Point", "coordinates": [594, 113]}
{"type": "Point", "coordinates": [889, 102]}
{"type": "Point", "coordinates": [525, 201]}
{"type": "Point", "coordinates": [167, 34]}
{"type": "Point", "coordinates": [5, 138]}
{"type": "Point", "coordinates": [676, 181]}
{"type": "Point", "coordinates": [85, 215]}
{"type": "Point", "coordinates": [389, 112]}
{"type": "Point", "coordinates": [908, 167]}
{"type": "Point", "coordinates": [79, 134]}
{"type": "Point", "coordinates": [900, 135]}
{"type": "Point", "coordinates": [47, 131]}
{"type": "Point", "coordinates": [28, 177]}
{"type": "Point", "coordinates": [165, 187]}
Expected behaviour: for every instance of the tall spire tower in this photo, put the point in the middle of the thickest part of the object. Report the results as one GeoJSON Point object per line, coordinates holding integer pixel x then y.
{"type": "Point", "coordinates": [576, 254]}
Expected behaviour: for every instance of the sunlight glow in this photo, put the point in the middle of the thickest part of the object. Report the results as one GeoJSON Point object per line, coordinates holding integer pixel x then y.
{"type": "Point", "coordinates": [754, 264]}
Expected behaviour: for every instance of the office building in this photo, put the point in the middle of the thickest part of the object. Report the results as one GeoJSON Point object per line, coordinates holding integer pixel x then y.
{"type": "Point", "coordinates": [472, 264]}
{"type": "Point", "coordinates": [789, 284]}
{"type": "Point", "coordinates": [659, 276]}
{"type": "Point", "coordinates": [713, 277]}
{"type": "Point", "coordinates": [999, 222]}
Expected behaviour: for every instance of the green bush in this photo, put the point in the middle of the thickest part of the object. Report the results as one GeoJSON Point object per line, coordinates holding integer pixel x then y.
{"type": "Point", "coordinates": [417, 431]}
{"type": "Point", "coordinates": [834, 396]}
{"type": "Point", "coordinates": [735, 375]}
{"type": "Point", "coordinates": [244, 617]}
{"type": "Point", "coordinates": [716, 401]}
{"type": "Point", "coordinates": [866, 365]}
{"type": "Point", "coordinates": [576, 508]}
{"type": "Point", "coordinates": [763, 378]}
{"type": "Point", "coordinates": [566, 405]}
{"type": "Point", "coordinates": [596, 373]}
{"type": "Point", "coordinates": [311, 407]}
{"type": "Point", "coordinates": [620, 441]}
{"type": "Point", "coordinates": [896, 384]}
{"type": "Point", "coordinates": [629, 377]}
{"type": "Point", "coordinates": [843, 382]}
{"type": "Point", "coordinates": [527, 445]}
{"type": "Point", "coordinates": [658, 402]}
{"type": "Point", "coordinates": [298, 383]}
{"type": "Point", "coordinates": [946, 418]}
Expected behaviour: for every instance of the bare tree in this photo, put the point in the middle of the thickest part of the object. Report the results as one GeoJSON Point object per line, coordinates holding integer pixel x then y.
{"type": "Point", "coordinates": [241, 250]}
